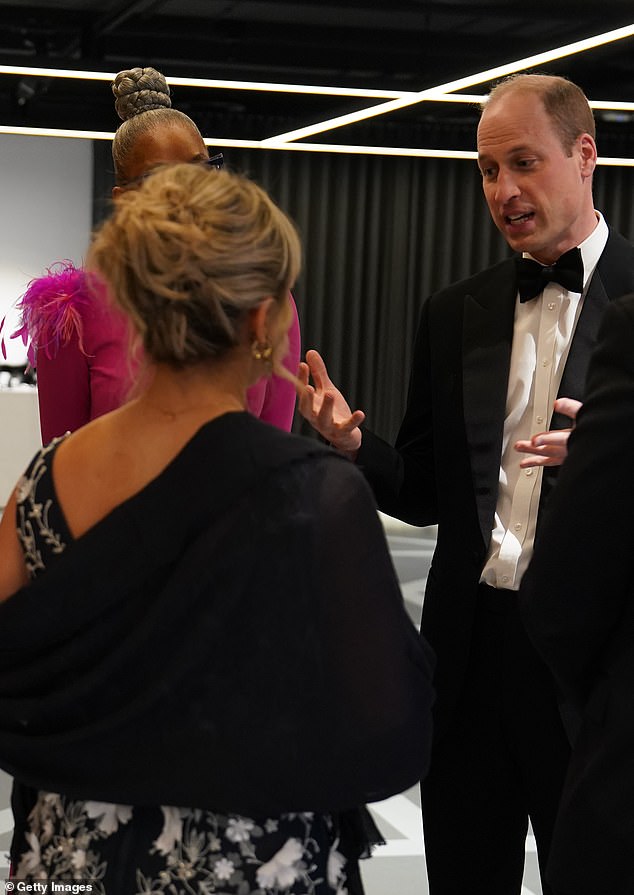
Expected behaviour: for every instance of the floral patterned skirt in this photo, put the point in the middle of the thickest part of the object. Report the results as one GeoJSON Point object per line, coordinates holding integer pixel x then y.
{"type": "Point", "coordinates": [152, 850]}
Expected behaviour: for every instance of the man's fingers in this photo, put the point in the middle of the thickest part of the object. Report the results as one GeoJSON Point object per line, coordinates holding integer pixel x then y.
{"type": "Point", "coordinates": [313, 356]}
{"type": "Point", "coordinates": [356, 419]}
{"type": "Point", "coordinates": [556, 438]}
{"type": "Point", "coordinates": [303, 373]}
{"type": "Point", "coordinates": [524, 447]}
{"type": "Point", "coordinates": [306, 402]}
{"type": "Point", "coordinates": [568, 406]}
{"type": "Point", "coordinates": [533, 460]}
{"type": "Point", "coordinates": [325, 414]}
{"type": "Point", "coordinates": [352, 422]}
{"type": "Point", "coordinates": [317, 368]}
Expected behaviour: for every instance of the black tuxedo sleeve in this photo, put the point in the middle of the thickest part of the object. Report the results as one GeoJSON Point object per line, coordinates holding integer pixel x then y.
{"type": "Point", "coordinates": [577, 590]}
{"type": "Point", "coordinates": [403, 477]}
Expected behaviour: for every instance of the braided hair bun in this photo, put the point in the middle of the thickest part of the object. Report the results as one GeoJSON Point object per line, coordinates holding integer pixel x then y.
{"type": "Point", "coordinates": [139, 90]}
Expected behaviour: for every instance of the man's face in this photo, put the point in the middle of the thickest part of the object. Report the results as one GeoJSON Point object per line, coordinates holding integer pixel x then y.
{"type": "Point", "coordinates": [539, 197]}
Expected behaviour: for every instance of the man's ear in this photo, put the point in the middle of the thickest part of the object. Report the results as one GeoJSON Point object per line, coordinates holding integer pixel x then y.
{"type": "Point", "coordinates": [588, 154]}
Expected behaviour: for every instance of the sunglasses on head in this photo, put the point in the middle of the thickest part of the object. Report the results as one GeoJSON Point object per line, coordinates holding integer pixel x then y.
{"type": "Point", "coordinates": [213, 162]}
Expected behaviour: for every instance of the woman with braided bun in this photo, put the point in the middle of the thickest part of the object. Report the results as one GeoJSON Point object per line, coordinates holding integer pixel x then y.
{"type": "Point", "coordinates": [77, 341]}
{"type": "Point", "coordinates": [206, 666]}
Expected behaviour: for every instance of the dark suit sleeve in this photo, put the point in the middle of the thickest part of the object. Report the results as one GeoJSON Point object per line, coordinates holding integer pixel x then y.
{"type": "Point", "coordinates": [580, 579]}
{"type": "Point", "coordinates": [403, 477]}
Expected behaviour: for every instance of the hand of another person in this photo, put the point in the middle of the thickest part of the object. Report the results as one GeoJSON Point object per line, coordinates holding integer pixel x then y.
{"type": "Point", "coordinates": [326, 409]}
{"type": "Point", "coordinates": [550, 448]}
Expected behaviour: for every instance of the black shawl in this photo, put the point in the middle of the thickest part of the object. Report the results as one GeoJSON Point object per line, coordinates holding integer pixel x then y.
{"type": "Point", "coordinates": [232, 637]}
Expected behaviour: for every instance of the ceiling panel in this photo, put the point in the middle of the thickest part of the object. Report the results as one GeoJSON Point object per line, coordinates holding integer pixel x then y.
{"type": "Point", "coordinates": [406, 45]}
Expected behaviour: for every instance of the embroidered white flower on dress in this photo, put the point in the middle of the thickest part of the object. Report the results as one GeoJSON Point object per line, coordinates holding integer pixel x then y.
{"type": "Point", "coordinates": [109, 815]}
{"type": "Point", "coordinates": [282, 870]}
{"type": "Point", "coordinates": [31, 860]}
{"type": "Point", "coordinates": [172, 831]}
{"type": "Point", "coordinates": [23, 489]}
{"type": "Point", "coordinates": [239, 829]}
{"type": "Point", "coordinates": [336, 863]}
{"type": "Point", "coordinates": [224, 869]}
{"type": "Point", "coordinates": [47, 830]}
{"type": "Point", "coordinates": [78, 859]}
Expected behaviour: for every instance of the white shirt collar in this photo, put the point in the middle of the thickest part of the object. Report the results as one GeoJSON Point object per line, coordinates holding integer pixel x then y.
{"type": "Point", "coordinates": [592, 247]}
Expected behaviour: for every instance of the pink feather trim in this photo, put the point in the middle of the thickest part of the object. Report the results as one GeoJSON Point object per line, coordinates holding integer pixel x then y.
{"type": "Point", "coordinates": [52, 309]}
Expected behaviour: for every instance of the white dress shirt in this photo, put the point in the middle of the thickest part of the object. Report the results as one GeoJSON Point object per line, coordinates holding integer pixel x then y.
{"type": "Point", "coordinates": [542, 334]}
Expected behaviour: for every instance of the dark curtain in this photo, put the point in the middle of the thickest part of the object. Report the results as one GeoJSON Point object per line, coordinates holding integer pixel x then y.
{"type": "Point", "coordinates": [379, 234]}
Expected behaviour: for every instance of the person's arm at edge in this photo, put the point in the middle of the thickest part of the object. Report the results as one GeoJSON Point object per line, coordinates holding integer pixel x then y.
{"type": "Point", "coordinates": [112, 367]}
{"type": "Point", "coordinates": [63, 387]}
{"type": "Point", "coordinates": [13, 573]}
{"type": "Point", "coordinates": [571, 596]}
{"type": "Point", "coordinates": [403, 476]}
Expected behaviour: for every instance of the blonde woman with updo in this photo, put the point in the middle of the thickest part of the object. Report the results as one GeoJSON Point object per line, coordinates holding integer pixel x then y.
{"type": "Point", "coordinates": [77, 342]}
{"type": "Point", "coordinates": [206, 667]}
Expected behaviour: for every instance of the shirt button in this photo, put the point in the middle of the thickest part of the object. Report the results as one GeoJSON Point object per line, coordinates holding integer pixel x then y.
{"type": "Point", "coordinates": [545, 362]}
{"type": "Point", "coordinates": [529, 472]}
{"type": "Point", "coordinates": [505, 579]}
{"type": "Point", "coordinates": [517, 526]}
{"type": "Point", "coordinates": [539, 419]}
{"type": "Point", "coordinates": [551, 305]}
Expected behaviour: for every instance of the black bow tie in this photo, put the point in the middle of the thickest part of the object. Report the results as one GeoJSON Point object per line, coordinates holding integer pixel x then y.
{"type": "Point", "coordinates": [532, 276]}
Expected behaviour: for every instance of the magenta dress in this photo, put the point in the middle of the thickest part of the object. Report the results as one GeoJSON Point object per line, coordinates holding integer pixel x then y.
{"type": "Point", "coordinates": [80, 345]}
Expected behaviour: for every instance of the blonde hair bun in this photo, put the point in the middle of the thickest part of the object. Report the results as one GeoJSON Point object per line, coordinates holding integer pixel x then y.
{"type": "Point", "coordinates": [189, 253]}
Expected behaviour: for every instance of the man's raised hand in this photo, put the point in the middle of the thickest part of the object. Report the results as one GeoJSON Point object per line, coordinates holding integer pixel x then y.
{"type": "Point", "coordinates": [325, 408]}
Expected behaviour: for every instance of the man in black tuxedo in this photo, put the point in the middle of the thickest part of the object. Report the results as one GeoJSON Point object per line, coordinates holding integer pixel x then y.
{"type": "Point", "coordinates": [577, 599]}
{"type": "Point", "coordinates": [492, 354]}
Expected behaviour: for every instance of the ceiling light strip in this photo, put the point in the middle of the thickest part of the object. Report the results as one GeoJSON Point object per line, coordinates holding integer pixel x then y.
{"type": "Point", "coordinates": [28, 71]}
{"type": "Point", "coordinates": [68, 133]}
{"type": "Point", "coordinates": [458, 84]}
{"type": "Point", "coordinates": [477, 99]}
{"type": "Point", "coordinates": [317, 90]}
{"type": "Point", "coordinates": [54, 132]}
{"type": "Point", "coordinates": [215, 83]}
{"type": "Point", "coordinates": [616, 162]}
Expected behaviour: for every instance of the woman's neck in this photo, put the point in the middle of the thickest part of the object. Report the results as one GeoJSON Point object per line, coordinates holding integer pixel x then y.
{"type": "Point", "coordinates": [202, 391]}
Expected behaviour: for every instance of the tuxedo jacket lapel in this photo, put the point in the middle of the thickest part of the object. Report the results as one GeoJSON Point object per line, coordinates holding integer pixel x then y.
{"type": "Point", "coordinates": [487, 336]}
{"type": "Point", "coordinates": [574, 376]}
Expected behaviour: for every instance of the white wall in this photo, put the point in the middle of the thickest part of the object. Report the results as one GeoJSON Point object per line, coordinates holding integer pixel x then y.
{"type": "Point", "coordinates": [45, 214]}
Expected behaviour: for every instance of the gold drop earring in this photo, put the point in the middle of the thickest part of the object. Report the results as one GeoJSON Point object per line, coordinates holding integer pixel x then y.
{"type": "Point", "coordinates": [262, 351]}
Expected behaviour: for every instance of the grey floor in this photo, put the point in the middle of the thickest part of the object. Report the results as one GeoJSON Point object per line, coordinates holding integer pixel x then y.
{"type": "Point", "coordinates": [398, 868]}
